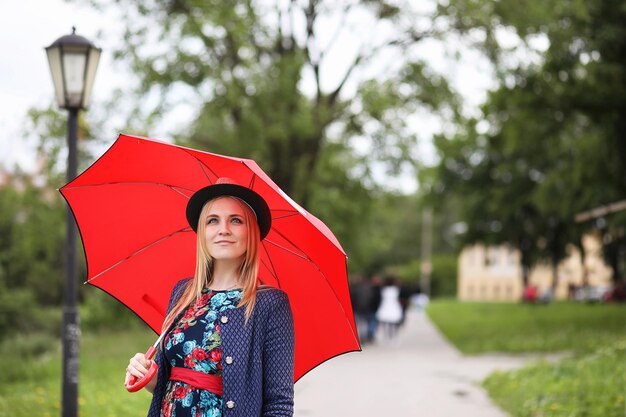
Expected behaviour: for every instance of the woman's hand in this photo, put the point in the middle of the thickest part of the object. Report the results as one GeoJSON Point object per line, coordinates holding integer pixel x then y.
{"type": "Point", "coordinates": [138, 366]}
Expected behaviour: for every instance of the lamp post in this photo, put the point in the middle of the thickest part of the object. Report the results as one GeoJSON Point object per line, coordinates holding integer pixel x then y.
{"type": "Point", "coordinates": [73, 62]}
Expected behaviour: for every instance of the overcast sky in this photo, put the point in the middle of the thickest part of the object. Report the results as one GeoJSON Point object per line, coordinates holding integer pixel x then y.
{"type": "Point", "coordinates": [28, 26]}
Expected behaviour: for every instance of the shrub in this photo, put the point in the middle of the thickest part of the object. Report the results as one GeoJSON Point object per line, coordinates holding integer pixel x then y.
{"type": "Point", "coordinates": [592, 385]}
{"type": "Point", "coordinates": [443, 278]}
{"type": "Point", "coordinates": [35, 351]}
{"type": "Point", "coordinates": [19, 313]}
{"type": "Point", "coordinates": [100, 311]}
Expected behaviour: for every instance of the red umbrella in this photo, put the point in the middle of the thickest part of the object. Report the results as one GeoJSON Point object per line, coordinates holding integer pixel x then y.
{"type": "Point", "coordinates": [130, 209]}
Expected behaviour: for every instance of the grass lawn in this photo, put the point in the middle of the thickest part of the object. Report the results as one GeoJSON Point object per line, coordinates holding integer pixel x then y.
{"type": "Point", "coordinates": [589, 383]}
{"type": "Point", "coordinates": [103, 358]}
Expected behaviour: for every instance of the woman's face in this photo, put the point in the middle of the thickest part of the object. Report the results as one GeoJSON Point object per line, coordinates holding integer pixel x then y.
{"type": "Point", "coordinates": [226, 233]}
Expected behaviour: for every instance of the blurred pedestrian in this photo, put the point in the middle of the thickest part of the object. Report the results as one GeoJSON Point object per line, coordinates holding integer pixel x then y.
{"type": "Point", "coordinates": [375, 285]}
{"type": "Point", "coordinates": [618, 293]}
{"type": "Point", "coordinates": [361, 293]}
{"type": "Point", "coordinates": [530, 294]}
{"type": "Point", "coordinates": [389, 313]}
{"type": "Point", "coordinates": [406, 291]}
{"type": "Point", "coordinates": [420, 300]}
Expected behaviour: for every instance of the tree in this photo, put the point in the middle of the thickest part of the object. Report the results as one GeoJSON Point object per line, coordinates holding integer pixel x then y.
{"type": "Point", "coordinates": [317, 92]}
{"type": "Point", "coordinates": [553, 122]}
{"type": "Point", "coordinates": [266, 80]}
{"type": "Point", "coordinates": [490, 184]}
{"type": "Point", "coordinates": [32, 212]}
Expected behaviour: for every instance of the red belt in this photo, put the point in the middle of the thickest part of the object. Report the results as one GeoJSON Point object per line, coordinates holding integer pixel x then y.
{"type": "Point", "coordinates": [197, 379]}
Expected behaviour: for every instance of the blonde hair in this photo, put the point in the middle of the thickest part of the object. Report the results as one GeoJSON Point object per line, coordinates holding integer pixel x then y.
{"type": "Point", "coordinates": [248, 270]}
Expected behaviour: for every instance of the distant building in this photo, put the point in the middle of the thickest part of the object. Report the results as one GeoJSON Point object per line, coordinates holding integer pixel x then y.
{"type": "Point", "coordinates": [494, 273]}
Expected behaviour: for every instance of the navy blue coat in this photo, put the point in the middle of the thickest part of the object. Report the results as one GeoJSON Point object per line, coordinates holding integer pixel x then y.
{"type": "Point", "coordinates": [259, 381]}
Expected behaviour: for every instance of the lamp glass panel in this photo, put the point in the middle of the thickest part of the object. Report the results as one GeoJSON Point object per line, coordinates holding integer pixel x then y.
{"type": "Point", "coordinates": [92, 65]}
{"type": "Point", "coordinates": [74, 73]}
{"type": "Point", "coordinates": [56, 70]}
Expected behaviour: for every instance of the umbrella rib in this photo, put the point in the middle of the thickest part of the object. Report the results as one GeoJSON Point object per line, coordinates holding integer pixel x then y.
{"type": "Point", "coordinates": [171, 186]}
{"type": "Point", "coordinates": [137, 252]}
{"type": "Point", "coordinates": [252, 180]}
{"type": "Point", "coordinates": [290, 251]}
{"type": "Point", "coordinates": [292, 244]}
{"type": "Point", "coordinates": [316, 266]}
{"type": "Point", "coordinates": [291, 214]}
{"type": "Point", "coordinates": [275, 275]}
{"type": "Point", "coordinates": [271, 266]}
{"type": "Point", "coordinates": [206, 167]}
{"type": "Point", "coordinates": [176, 191]}
{"type": "Point", "coordinates": [345, 315]}
{"type": "Point", "coordinates": [174, 188]}
{"type": "Point", "coordinates": [203, 166]}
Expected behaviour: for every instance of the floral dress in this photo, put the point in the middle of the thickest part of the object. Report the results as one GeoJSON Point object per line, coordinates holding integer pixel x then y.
{"type": "Point", "coordinates": [195, 343]}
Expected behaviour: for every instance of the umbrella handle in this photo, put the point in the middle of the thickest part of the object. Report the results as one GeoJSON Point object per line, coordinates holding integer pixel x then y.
{"type": "Point", "coordinates": [134, 383]}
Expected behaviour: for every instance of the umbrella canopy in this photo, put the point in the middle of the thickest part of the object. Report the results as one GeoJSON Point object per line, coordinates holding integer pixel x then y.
{"type": "Point", "coordinates": [130, 210]}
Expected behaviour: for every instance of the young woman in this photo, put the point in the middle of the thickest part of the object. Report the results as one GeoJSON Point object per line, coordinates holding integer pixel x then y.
{"type": "Point", "coordinates": [229, 344]}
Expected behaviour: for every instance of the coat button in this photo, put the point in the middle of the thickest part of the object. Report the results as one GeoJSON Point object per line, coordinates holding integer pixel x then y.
{"type": "Point", "coordinates": [224, 319]}
{"type": "Point", "coordinates": [230, 404]}
{"type": "Point", "coordinates": [229, 360]}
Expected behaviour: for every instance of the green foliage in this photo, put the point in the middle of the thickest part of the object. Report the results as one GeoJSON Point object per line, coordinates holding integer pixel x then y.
{"type": "Point", "coordinates": [31, 386]}
{"type": "Point", "coordinates": [592, 385]}
{"type": "Point", "coordinates": [264, 82]}
{"type": "Point", "coordinates": [516, 328]}
{"type": "Point", "coordinates": [33, 229]}
{"type": "Point", "coordinates": [32, 251]}
{"type": "Point", "coordinates": [102, 312]}
{"type": "Point", "coordinates": [33, 221]}
{"type": "Point", "coordinates": [588, 382]}
{"type": "Point", "coordinates": [29, 252]}
{"type": "Point", "coordinates": [20, 313]}
{"type": "Point", "coordinates": [48, 125]}
{"type": "Point", "coordinates": [30, 335]}
{"type": "Point", "coordinates": [548, 145]}
{"type": "Point", "coordinates": [333, 201]}
{"type": "Point", "coordinates": [36, 351]}
{"type": "Point", "coordinates": [443, 277]}
{"type": "Point", "coordinates": [257, 74]}
{"type": "Point", "coordinates": [391, 235]}
{"type": "Point", "coordinates": [408, 272]}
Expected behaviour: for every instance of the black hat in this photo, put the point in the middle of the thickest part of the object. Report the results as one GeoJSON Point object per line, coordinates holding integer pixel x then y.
{"type": "Point", "coordinates": [228, 188]}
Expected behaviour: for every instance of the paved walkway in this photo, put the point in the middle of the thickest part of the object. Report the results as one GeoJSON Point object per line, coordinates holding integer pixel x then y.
{"type": "Point", "coordinates": [418, 375]}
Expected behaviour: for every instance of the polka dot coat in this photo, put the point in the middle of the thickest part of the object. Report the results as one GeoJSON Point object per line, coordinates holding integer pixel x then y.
{"type": "Point", "coordinates": [257, 358]}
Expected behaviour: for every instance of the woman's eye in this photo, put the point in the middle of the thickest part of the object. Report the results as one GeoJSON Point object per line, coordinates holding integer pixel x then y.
{"type": "Point", "coordinates": [237, 220]}
{"type": "Point", "coordinates": [211, 221]}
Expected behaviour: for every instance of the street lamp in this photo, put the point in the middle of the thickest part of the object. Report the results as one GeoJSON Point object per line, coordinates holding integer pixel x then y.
{"type": "Point", "coordinates": [73, 62]}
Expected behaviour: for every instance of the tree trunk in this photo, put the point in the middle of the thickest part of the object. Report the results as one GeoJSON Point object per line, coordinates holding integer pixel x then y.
{"type": "Point", "coordinates": [525, 275]}
{"type": "Point", "coordinates": [583, 265]}
{"type": "Point", "coordinates": [526, 263]}
{"type": "Point", "coordinates": [555, 275]}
